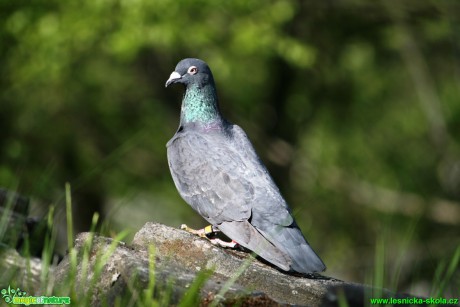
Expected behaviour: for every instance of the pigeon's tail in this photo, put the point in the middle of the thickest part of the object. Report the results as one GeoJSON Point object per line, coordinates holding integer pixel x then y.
{"type": "Point", "coordinates": [291, 241]}
{"type": "Point", "coordinates": [246, 235]}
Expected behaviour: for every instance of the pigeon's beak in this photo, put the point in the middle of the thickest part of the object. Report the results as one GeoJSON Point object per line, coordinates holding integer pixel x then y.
{"type": "Point", "coordinates": [173, 78]}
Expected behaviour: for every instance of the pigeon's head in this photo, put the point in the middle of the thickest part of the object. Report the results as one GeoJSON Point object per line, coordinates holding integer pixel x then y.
{"type": "Point", "coordinates": [191, 72]}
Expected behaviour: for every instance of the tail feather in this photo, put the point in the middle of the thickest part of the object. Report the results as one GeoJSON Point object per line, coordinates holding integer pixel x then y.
{"type": "Point", "coordinates": [248, 236]}
{"type": "Point", "coordinates": [291, 241]}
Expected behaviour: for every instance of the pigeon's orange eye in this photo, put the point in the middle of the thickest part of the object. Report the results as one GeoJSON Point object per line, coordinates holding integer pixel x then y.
{"type": "Point", "coordinates": [192, 70]}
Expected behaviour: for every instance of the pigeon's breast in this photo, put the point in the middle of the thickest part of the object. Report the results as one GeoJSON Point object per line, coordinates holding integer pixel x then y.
{"type": "Point", "coordinates": [210, 176]}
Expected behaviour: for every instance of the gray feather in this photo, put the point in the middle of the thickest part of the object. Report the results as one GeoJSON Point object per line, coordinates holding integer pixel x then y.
{"type": "Point", "coordinates": [218, 173]}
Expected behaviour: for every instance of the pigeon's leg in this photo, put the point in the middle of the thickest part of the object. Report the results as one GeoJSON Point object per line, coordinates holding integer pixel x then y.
{"type": "Point", "coordinates": [223, 243]}
{"type": "Point", "coordinates": [208, 232]}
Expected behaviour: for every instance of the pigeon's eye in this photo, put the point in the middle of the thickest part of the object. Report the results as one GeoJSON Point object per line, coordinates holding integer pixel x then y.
{"type": "Point", "coordinates": [192, 70]}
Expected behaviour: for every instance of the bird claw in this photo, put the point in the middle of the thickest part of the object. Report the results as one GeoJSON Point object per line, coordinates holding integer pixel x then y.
{"type": "Point", "coordinates": [198, 232]}
{"type": "Point", "coordinates": [223, 243]}
{"type": "Point", "coordinates": [207, 233]}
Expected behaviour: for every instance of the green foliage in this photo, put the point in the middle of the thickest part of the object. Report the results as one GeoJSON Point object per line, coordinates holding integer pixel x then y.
{"type": "Point", "coordinates": [445, 273]}
{"type": "Point", "coordinates": [352, 105]}
{"type": "Point", "coordinates": [91, 272]}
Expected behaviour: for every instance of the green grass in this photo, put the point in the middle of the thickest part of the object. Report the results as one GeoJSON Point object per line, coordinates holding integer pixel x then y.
{"type": "Point", "coordinates": [83, 263]}
{"type": "Point", "coordinates": [383, 277]}
{"type": "Point", "coordinates": [444, 274]}
{"type": "Point", "coordinates": [80, 265]}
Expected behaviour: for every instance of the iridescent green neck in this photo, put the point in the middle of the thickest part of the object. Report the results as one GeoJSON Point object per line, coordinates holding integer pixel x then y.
{"type": "Point", "coordinates": [200, 105]}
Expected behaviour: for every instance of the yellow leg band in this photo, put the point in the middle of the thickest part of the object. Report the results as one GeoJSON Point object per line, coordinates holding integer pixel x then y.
{"type": "Point", "coordinates": [208, 229]}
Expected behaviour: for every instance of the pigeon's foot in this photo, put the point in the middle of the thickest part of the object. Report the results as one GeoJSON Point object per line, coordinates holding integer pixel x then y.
{"type": "Point", "coordinates": [206, 232]}
{"type": "Point", "coordinates": [223, 243]}
{"type": "Point", "coordinates": [210, 232]}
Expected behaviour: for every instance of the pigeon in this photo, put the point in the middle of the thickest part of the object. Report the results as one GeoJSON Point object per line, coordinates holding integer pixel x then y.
{"type": "Point", "coordinates": [218, 173]}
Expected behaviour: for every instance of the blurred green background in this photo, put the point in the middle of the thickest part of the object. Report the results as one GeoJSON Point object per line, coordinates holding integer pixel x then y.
{"type": "Point", "coordinates": [353, 105]}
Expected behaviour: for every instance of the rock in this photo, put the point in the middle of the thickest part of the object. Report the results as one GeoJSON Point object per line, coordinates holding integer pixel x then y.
{"type": "Point", "coordinates": [108, 271]}
{"type": "Point", "coordinates": [190, 251]}
{"type": "Point", "coordinates": [126, 274]}
{"type": "Point", "coordinates": [20, 271]}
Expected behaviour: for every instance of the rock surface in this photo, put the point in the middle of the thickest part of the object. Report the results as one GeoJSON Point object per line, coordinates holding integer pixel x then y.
{"type": "Point", "coordinates": [17, 270]}
{"type": "Point", "coordinates": [195, 253]}
{"type": "Point", "coordinates": [235, 277]}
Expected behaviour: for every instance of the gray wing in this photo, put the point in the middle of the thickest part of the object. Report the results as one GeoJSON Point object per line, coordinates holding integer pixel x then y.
{"type": "Point", "coordinates": [223, 179]}
{"type": "Point", "coordinates": [269, 206]}
{"type": "Point", "coordinates": [209, 178]}
{"type": "Point", "coordinates": [219, 177]}
{"type": "Point", "coordinates": [248, 236]}
{"type": "Point", "coordinates": [271, 217]}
